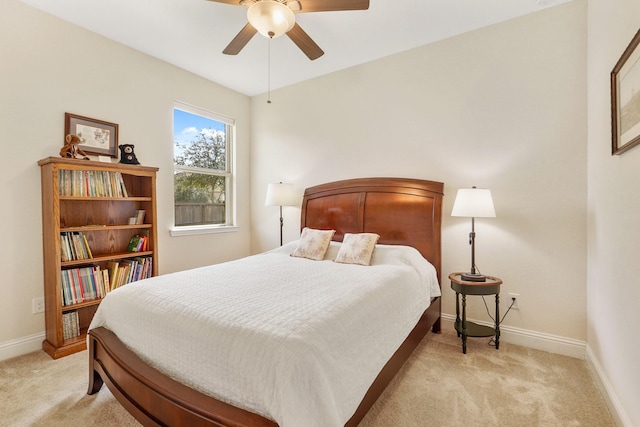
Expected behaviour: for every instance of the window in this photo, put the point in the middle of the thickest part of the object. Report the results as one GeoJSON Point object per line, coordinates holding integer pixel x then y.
{"type": "Point", "coordinates": [202, 170]}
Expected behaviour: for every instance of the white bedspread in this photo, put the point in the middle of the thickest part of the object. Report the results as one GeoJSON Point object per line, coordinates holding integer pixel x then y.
{"type": "Point", "coordinates": [295, 340]}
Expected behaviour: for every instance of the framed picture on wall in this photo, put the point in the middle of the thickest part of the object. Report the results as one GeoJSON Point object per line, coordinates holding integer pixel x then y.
{"type": "Point", "coordinates": [625, 99]}
{"type": "Point", "coordinates": [96, 136]}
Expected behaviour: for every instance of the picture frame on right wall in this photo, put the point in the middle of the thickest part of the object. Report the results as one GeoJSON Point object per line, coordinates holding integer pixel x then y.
{"type": "Point", "coordinates": [625, 99]}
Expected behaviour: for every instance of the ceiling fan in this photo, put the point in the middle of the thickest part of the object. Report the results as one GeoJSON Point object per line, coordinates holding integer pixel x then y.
{"type": "Point", "coordinates": [273, 18]}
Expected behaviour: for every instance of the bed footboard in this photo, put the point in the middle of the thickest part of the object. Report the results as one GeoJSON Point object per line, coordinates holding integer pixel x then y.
{"type": "Point", "coordinates": [153, 398]}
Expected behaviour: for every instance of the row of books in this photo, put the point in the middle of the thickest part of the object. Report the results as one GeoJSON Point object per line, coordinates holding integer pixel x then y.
{"type": "Point", "coordinates": [84, 284]}
{"type": "Point", "coordinates": [70, 325]}
{"type": "Point", "coordinates": [130, 270]}
{"type": "Point", "coordinates": [93, 282]}
{"type": "Point", "coordinates": [74, 246]}
{"type": "Point", "coordinates": [91, 183]}
{"type": "Point", "coordinates": [138, 243]}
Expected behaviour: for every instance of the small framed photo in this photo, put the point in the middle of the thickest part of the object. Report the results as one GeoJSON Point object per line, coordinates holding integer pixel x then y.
{"type": "Point", "coordinates": [625, 99]}
{"type": "Point", "coordinates": [97, 137]}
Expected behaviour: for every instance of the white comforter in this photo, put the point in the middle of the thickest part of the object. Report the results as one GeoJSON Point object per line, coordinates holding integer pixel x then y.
{"type": "Point", "coordinates": [295, 340]}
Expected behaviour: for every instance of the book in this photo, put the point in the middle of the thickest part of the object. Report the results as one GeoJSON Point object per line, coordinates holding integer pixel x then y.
{"type": "Point", "coordinates": [139, 215]}
{"type": "Point", "coordinates": [64, 250]}
{"type": "Point", "coordinates": [105, 283]}
{"type": "Point", "coordinates": [78, 246]}
{"type": "Point", "coordinates": [134, 243]}
{"type": "Point", "coordinates": [86, 246]}
{"type": "Point", "coordinates": [66, 289]}
{"type": "Point", "coordinates": [113, 274]}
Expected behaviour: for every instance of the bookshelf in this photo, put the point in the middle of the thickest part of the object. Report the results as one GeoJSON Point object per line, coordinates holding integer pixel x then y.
{"type": "Point", "coordinates": [92, 212]}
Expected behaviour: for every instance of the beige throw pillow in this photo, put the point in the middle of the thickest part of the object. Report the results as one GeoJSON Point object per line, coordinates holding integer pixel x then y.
{"type": "Point", "coordinates": [357, 248]}
{"type": "Point", "coordinates": [313, 244]}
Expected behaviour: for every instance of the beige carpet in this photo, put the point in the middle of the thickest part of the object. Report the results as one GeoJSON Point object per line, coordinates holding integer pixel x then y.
{"type": "Point", "coordinates": [438, 386]}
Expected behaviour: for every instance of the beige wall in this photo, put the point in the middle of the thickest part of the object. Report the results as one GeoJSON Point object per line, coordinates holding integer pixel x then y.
{"type": "Point", "coordinates": [613, 210]}
{"type": "Point", "coordinates": [502, 107]}
{"type": "Point", "coordinates": [49, 67]}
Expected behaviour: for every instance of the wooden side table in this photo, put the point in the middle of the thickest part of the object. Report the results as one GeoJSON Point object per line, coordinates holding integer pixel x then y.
{"type": "Point", "coordinates": [470, 329]}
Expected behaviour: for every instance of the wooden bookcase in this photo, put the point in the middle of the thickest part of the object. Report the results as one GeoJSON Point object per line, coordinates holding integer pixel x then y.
{"type": "Point", "coordinates": [104, 219]}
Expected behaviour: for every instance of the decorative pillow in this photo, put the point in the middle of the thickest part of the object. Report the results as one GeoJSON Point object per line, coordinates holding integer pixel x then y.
{"type": "Point", "coordinates": [313, 244]}
{"type": "Point", "coordinates": [357, 248]}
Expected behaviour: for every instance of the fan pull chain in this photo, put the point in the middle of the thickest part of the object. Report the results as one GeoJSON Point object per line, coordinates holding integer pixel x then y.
{"type": "Point", "coordinates": [269, 72]}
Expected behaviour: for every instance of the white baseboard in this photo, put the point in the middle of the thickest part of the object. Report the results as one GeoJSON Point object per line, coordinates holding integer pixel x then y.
{"type": "Point", "coordinates": [610, 396]}
{"type": "Point", "coordinates": [532, 339]}
{"type": "Point", "coordinates": [21, 346]}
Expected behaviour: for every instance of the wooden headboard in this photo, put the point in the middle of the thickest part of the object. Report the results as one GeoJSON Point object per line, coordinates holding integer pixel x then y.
{"type": "Point", "coordinates": [402, 211]}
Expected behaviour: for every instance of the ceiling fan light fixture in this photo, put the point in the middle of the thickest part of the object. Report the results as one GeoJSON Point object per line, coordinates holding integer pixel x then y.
{"type": "Point", "coordinates": [271, 18]}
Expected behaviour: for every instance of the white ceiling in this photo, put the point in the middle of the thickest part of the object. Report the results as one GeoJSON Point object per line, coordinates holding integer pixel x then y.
{"type": "Point", "coordinates": [191, 34]}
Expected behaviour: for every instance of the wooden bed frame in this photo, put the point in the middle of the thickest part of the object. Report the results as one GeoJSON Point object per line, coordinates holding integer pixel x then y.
{"type": "Point", "coordinates": [402, 211]}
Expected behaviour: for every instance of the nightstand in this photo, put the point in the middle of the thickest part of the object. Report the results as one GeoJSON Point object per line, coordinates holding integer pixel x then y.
{"type": "Point", "coordinates": [470, 329]}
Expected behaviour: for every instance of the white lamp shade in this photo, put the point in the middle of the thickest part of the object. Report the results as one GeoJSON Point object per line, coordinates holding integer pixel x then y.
{"type": "Point", "coordinates": [279, 194]}
{"type": "Point", "coordinates": [271, 18]}
{"type": "Point", "coordinates": [473, 202]}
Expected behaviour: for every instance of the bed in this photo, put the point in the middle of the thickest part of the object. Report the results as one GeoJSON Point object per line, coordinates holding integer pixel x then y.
{"type": "Point", "coordinates": [403, 212]}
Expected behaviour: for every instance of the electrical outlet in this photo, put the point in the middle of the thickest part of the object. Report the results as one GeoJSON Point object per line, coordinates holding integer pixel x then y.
{"type": "Point", "coordinates": [37, 305]}
{"type": "Point", "coordinates": [515, 299]}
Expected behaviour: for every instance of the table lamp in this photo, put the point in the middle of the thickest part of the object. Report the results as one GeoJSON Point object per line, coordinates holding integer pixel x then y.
{"type": "Point", "coordinates": [279, 194]}
{"type": "Point", "coordinates": [474, 203]}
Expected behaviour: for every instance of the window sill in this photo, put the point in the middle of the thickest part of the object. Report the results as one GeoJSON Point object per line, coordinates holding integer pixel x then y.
{"type": "Point", "coordinates": [202, 229]}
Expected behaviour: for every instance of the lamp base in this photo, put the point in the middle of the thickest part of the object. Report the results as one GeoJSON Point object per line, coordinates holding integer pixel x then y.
{"type": "Point", "coordinates": [472, 277]}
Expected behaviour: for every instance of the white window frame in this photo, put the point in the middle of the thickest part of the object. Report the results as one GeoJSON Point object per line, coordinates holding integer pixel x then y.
{"type": "Point", "coordinates": [229, 174]}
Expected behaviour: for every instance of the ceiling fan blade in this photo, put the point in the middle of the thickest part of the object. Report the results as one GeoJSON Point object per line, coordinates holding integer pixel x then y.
{"type": "Point", "coordinates": [304, 42]}
{"type": "Point", "coordinates": [332, 5]}
{"type": "Point", "coordinates": [240, 40]}
{"type": "Point", "coordinates": [233, 2]}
